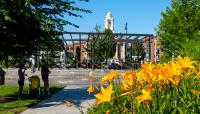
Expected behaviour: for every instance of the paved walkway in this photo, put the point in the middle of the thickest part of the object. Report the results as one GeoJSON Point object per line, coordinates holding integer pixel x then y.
{"type": "Point", "coordinates": [55, 105]}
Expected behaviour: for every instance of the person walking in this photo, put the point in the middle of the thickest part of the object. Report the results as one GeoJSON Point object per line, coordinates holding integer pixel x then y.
{"type": "Point", "coordinates": [112, 63]}
{"type": "Point", "coordinates": [45, 77]}
{"type": "Point", "coordinates": [21, 74]}
{"type": "Point", "coordinates": [33, 64]}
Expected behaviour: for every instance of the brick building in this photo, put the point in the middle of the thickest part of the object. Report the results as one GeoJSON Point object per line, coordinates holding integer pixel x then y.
{"type": "Point", "coordinates": [72, 48]}
{"type": "Point", "coordinates": [152, 49]}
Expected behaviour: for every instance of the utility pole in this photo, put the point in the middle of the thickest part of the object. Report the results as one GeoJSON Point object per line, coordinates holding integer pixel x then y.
{"type": "Point", "coordinates": [126, 44]}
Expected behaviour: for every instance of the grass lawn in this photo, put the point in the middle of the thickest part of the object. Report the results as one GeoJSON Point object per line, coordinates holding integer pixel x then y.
{"type": "Point", "coordinates": [20, 105]}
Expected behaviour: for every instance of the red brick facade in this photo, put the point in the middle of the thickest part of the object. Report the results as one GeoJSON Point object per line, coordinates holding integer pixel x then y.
{"type": "Point", "coordinates": [153, 51]}
{"type": "Point", "coordinates": [72, 49]}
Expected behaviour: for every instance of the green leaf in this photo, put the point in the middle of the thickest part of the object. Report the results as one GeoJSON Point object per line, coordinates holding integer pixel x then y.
{"type": "Point", "coordinates": [27, 2]}
{"type": "Point", "coordinates": [174, 111]}
{"type": "Point", "coordinates": [180, 110]}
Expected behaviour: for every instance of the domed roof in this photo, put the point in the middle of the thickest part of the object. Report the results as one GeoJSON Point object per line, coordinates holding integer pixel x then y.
{"type": "Point", "coordinates": [109, 15]}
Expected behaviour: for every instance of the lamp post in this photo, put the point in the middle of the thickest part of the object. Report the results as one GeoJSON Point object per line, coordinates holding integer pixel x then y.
{"type": "Point", "coordinates": [126, 28]}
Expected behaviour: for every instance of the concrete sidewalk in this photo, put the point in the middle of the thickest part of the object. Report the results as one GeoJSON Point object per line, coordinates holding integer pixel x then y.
{"type": "Point", "coordinates": [55, 105]}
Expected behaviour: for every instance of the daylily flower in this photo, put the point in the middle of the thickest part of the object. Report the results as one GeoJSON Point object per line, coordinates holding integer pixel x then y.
{"type": "Point", "coordinates": [106, 78]}
{"type": "Point", "coordinates": [114, 74]}
{"type": "Point", "coordinates": [110, 76]}
{"type": "Point", "coordinates": [126, 85]}
{"type": "Point", "coordinates": [198, 74]}
{"type": "Point", "coordinates": [185, 62]}
{"type": "Point", "coordinates": [90, 89]}
{"type": "Point", "coordinates": [146, 96]}
{"type": "Point", "coordinates": [131, 75]}
{"type": "Point", "coordinates": [104, 95]}
{"type": "Point", "coordinates": [108, 111]}
{"type": "Point", "coordinates": [195, 92]}
{"type": "Point", "coordinates": [175, 69]}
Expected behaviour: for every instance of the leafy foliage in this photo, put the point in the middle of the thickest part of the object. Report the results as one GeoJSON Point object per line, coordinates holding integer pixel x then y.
{"type": "Point", "coordinates": [29, 26]}
{"type": "Point", "coordinates": [102, 46]}
{"type": "Point", "coordinates": [179, 29]}
{"type": "Point", "coordinates": [138, 50]}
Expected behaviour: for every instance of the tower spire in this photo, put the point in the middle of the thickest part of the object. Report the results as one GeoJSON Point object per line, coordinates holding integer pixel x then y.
{"type": "Point", "coordinates": [109, 22]}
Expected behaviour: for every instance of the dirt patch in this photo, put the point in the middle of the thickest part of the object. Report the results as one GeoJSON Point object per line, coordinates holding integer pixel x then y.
{"type": "Point", "coordinates": [7, 99]}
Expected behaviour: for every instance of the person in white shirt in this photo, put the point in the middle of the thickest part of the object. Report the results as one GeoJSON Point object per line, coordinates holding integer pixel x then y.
{"type": "Point", "coordinates": [33, 64]}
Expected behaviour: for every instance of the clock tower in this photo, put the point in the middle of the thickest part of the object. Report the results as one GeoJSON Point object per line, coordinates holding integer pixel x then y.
{"type": "Point", "coordinates": [109, 22]}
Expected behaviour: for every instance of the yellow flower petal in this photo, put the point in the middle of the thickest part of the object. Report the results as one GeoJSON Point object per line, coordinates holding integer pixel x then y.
{"type": "Point", "coordinates": [195, 92]}
{"type": "Point", "coordinates": [104, 95]}
{"type": "Point", "coordinates": [90, 89]}
{"type": "Point", "coordinates": [146, 96]}
{"type": "Point", "coordinates": [108, 111]}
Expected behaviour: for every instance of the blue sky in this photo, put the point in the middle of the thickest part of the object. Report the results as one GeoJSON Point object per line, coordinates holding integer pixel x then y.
{"type": "Point", "coordinates": [142, 16]}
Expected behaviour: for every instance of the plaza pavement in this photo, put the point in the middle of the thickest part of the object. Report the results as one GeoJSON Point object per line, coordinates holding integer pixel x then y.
{"type": "Point", "coordinates": [57, 76]}
{"type": "Point", "coordinates": [76, 82]}
{"type": "Point", "coordinates": [55, 105]}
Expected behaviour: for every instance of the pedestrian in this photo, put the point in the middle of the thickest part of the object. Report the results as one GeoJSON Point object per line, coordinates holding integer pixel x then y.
{"type": "Point", "coordinates": [91, 77]}
{"type": "Point", "coordinates": [33, 64]}
{"type": "Point", "coordinates": [112, 63]}
{"type": "Point", "coordinates": [32, 68]}
{"type": "Point", "coordinates": [21, 74]}
{"type": "Point", "coordinates": [45, 77]}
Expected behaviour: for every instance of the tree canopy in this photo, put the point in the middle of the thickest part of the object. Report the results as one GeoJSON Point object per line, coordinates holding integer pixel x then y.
{"type": "Point", "coordinates": [105, 46]}
{"type": "Point", "coordinates": [138, 50]}
{"type": "Point", "coordinates": [28, 26]}
{"type": "Point", "coordinates": [179, 29]}
{"type": "Point", "coordinates": [102, 46]}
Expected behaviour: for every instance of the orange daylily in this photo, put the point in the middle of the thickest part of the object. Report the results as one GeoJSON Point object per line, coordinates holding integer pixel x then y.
{"type": "Point", "coordinates": [90, 89]}
{"type": "Point", "coordinates": [198, 74]}
{"type": "Point", "coordinates": [126, 85]}
{"type": "Point", "coordinates": [114, 74]}
{"type": "Point", "coordinates": [146, 96]}
{"type": "Point", "coordinates": [185, 62]}
{"type": "Point", "coordinates": [104, 95]}
{"type": "Point", "coordinates": [108, 111]}
{"type": "Point", "coordinates": [131, 75]}
{"type": "Point", "coordinates": [110, 76]}
{"type": "Point", "coordinates": [195, 92]}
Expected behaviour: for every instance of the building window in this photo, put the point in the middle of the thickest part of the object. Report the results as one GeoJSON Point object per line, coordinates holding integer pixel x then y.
{"type": "Point", "coordinates": [158, 52]}
{"type": "Point", "coordinates": [147, 50]}
{"type": "Point", "coordinates": [109, 24]}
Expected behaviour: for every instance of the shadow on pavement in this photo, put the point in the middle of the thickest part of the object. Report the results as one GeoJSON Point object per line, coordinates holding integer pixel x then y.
{"type": "Point", "coordinates": [75, 96]}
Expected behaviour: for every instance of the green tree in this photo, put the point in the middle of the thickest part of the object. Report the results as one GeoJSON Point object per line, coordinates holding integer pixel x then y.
{"type": "Point", "coordinates": [138, 50]}
{"type": "Point", "coordinates": [179, 29]}
{"type": "Point", "coordinates": [29, 26]}
{"type": "Point", "coordinates": [102, 46]}
{"type": "Point", "coordinates": [105, 46]}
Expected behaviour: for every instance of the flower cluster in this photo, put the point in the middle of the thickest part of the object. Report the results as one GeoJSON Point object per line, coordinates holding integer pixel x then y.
{"type": "Point", "coordinates": [150, 82]}
{"type": "Point", "coordinates": [110, 77]}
